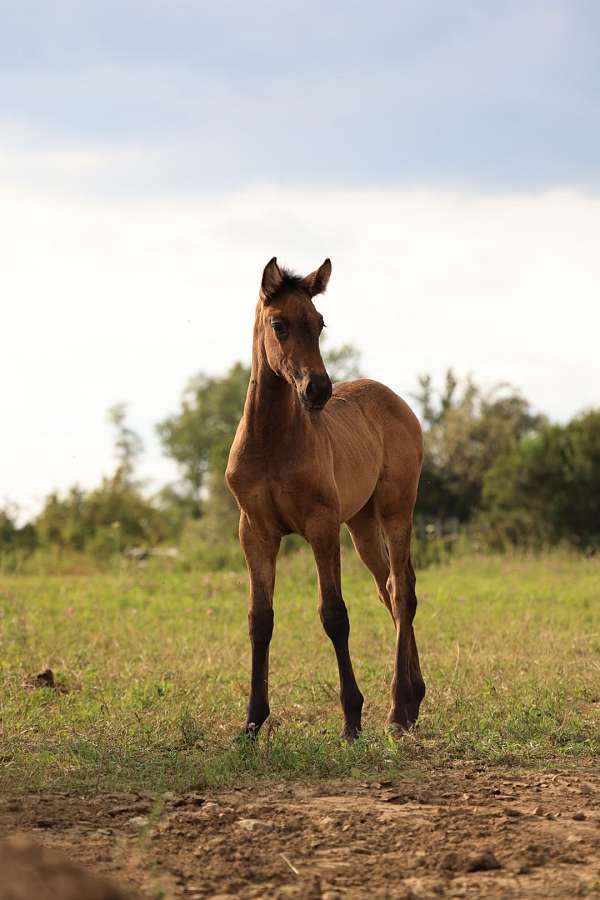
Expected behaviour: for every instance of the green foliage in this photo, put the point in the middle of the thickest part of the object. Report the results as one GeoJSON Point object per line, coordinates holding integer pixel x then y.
{"type": "Point", "coordinates": [128, 444]}
{"type": "Point", "coordinates": [198, 437]}
{"type": "Point", "coordinates": [466, 430]}
{"type": "Point", "coordinates": [16, 543]}
{"type": "Point", "coordinates": [112, 517]}
{"type": "Point", "coordinates": [176, 508]}
{"type": "Point", "coordinates": [343, 363]}
{"type": "Point", "coordinates": [495, 474]}
{"type": "Point", "coordinates": [547, 488]}
{"type": "Point", "coordinates": [103, 521]}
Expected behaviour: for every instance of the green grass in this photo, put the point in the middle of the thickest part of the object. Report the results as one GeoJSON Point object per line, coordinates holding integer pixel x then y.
{"type": "Point", "coordinates": [154, 662]}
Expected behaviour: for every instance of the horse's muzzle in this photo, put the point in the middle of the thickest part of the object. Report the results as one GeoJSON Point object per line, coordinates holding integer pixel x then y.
{"type": "Point", "coordinates": [315, 391]}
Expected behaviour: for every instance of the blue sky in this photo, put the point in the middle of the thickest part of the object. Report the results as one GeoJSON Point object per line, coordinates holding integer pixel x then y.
{"type": "Point", "coordinates": [154, 156]}
{"type": "Point", "coordinates": [215, 96]}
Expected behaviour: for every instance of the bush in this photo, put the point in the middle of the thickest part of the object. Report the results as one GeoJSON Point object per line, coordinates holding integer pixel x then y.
{"type": "Point", "coordinates": [546, 490]}
{"type": "Point", "coordinates": [104, 521]}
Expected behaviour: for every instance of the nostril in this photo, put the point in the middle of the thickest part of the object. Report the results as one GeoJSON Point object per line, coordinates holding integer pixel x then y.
{"type": "Point", "coordinates": [324, 388]}
{"type": "Point", "coordinates": [317, 390]}
{"type": "Point", "coordinates": [311, 390]}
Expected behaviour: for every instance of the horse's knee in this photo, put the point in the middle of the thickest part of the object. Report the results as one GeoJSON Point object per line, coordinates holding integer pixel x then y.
{"type": "Point", "coordinates": [260, 626]}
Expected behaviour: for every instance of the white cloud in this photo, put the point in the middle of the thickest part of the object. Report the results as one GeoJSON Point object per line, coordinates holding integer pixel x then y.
{"type": "Point", "coordinates": [109, 301]}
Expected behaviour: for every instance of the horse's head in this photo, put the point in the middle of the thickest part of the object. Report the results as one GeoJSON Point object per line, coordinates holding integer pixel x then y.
{"type": "Point", "coordinates": [290, 327]}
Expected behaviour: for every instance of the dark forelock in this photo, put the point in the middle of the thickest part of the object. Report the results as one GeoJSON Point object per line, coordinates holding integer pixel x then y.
{"type": "Point", "coordinates": [289, 282]}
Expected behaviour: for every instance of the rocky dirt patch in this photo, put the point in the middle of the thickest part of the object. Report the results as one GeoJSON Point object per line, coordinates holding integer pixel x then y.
{"type": "Point", "coordinates": [466, 831]}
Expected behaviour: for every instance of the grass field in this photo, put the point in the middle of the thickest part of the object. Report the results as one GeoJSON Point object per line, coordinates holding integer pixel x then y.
{"type": "Point", "coordinates": [152, 670]}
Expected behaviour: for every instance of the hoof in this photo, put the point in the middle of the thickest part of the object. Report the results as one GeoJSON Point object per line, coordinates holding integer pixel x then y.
{"type": "Point", "coordinates": [399, 730]}
{"type": "Point", "coordinates": [403, 720]}
{"type": "Point", "coordinates": [395, 730]}
{"type": "Point", "coordinates": [350, 733]}
{"type": "Point", "coordinates": [247, 736]}
{"type": "Point", "coordinates": [405, 707]}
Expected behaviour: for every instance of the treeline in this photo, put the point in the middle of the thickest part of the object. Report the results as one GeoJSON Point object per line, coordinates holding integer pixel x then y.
{"type": "Point", "coordinates": [493, 468]}
{"type": "Point", "coordinates": [510, 474]}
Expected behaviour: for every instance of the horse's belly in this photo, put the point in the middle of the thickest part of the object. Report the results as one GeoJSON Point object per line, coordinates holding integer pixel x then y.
{"type": "Point", "coordinates": [355, 488]}
{"type": "Point", "coordinates": [357, 466]}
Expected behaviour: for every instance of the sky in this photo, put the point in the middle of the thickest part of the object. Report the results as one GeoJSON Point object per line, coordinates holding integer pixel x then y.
{"type": "Point", "coordinates": [154, 156]}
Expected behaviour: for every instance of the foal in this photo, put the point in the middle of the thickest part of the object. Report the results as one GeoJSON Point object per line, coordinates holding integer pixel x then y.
{"type": "Point", "coordinates": [306, 458]}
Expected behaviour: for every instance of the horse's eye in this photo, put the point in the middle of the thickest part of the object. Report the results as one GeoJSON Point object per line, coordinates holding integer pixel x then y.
{"type": "Point", "coordinates": [279, 328]}
{"type": "Point", "coordinates": [323, 325]}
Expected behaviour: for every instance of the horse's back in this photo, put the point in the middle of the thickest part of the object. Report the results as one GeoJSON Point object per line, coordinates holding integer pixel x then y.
{"type": "Point", "coordinates": [382, 408]}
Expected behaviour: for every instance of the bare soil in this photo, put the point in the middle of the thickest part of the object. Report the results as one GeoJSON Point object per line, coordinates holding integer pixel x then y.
{"type": "Point", "coordinates": [464, 831]}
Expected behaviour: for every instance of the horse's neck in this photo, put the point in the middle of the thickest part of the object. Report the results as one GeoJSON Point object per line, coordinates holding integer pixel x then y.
{"type": "Point", "coordinates": [272, 409]}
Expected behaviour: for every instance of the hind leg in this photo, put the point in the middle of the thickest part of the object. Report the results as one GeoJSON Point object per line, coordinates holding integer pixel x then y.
{"type": "Point", "coordinates": [408, 687]}
{"type": "Point", "coordinates": [369, 543]}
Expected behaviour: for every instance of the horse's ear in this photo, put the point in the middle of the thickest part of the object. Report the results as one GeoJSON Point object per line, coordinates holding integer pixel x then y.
{"type": "Point", "coordinates": [317, 281]}
{"type": "Point", "coordinates": [271, 280]}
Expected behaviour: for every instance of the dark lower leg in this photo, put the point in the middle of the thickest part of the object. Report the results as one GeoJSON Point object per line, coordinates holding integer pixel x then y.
{"type": "Point", "coordinates": [261, 554]}
{"type": "Point", "coordinates": [408, 687]}
{"type": "Point", "coordinates": [261, 629]}
{"type": "Point", "coordinates": [324, 538]}
{"type": "Point", "coordinates": [334, 617]}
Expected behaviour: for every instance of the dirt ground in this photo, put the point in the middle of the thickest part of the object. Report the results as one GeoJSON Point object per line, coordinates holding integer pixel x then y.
{"type": "Point", "coordinates": [466, 831]}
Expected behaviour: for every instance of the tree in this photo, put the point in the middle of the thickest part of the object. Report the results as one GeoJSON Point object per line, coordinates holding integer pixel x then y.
{"type": "Point", "coordinates": [343, 363]}
{"type": "Point", "coordinates": [198, 437]}
{"type": "Point", "coordinates": [8, 528]}
{"type": "Point", "coordinates": [547, 488]}
{"type": "Point", "coordinates": [12, 537]}
{"type": "Point", "coordinates": [466, 429]}
{"type": "Point", "coordinates": [128, 444]}
{"type": "Point", "coordinates": [113, 516]}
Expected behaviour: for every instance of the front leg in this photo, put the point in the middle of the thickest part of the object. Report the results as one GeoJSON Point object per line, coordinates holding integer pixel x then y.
{"type": "Point", "coordinates": [261, 553]}
{"type": "Point", "coordinates": [325, 541]}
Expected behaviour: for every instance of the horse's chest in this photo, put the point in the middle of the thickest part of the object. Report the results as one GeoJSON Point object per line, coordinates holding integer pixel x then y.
{"type": "Point", "coordinates": [282, 497]}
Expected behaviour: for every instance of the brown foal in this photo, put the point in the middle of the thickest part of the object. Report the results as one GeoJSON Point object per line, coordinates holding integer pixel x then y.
{"type": "Point", "coordinates": [306, 458]}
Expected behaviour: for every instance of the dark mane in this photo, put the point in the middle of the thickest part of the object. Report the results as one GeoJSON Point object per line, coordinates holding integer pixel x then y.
{"type": "Point", "coordinates": [289, 282]}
